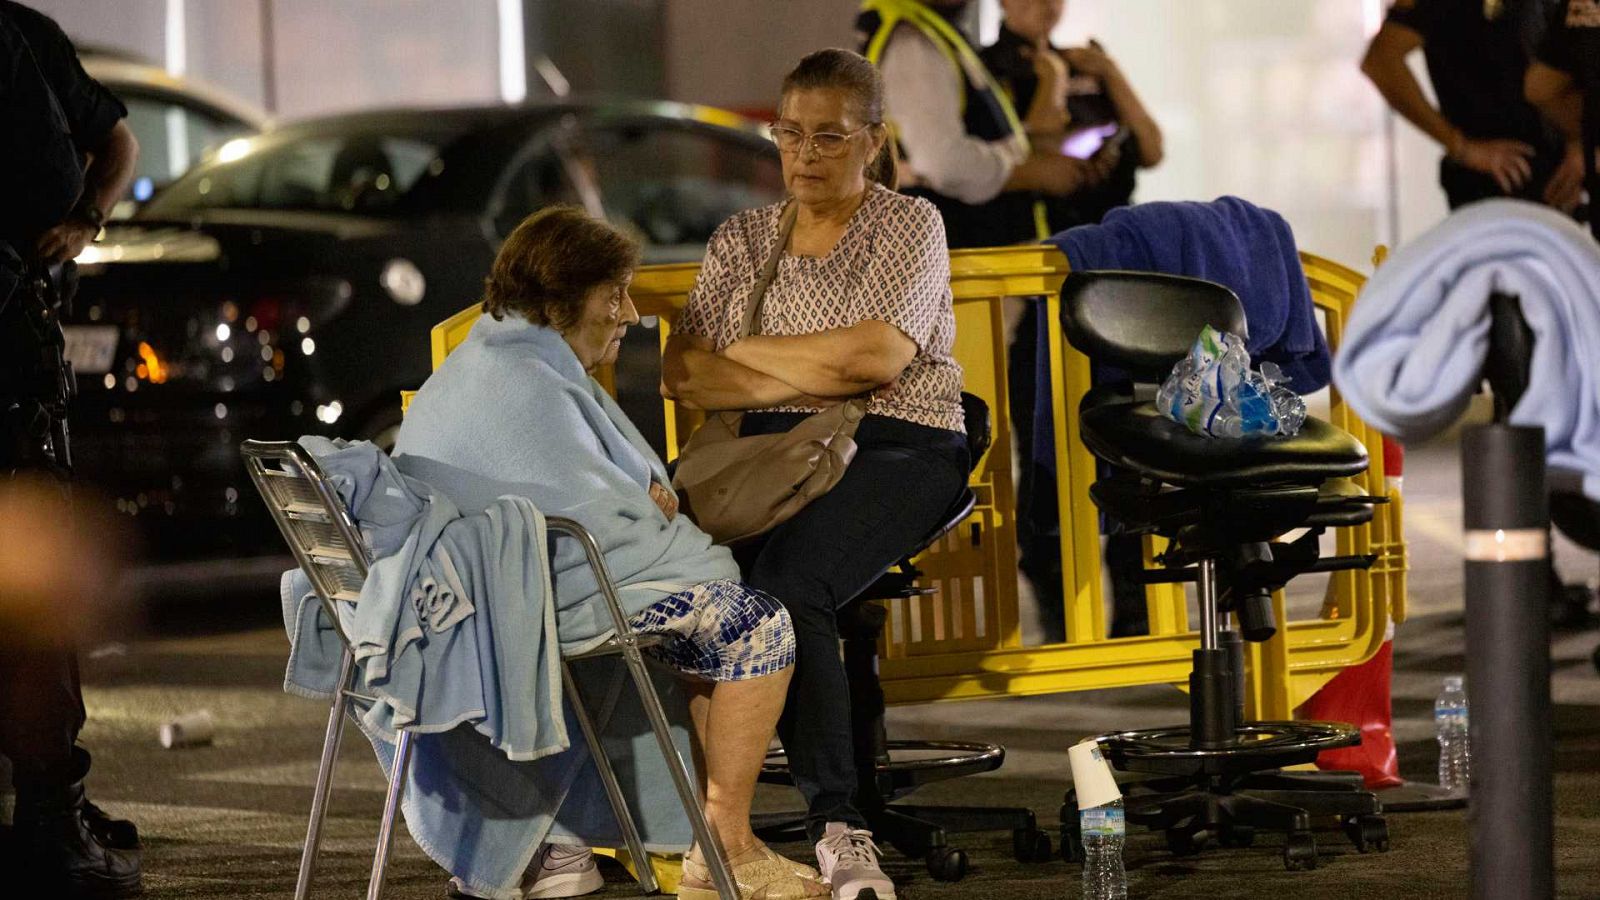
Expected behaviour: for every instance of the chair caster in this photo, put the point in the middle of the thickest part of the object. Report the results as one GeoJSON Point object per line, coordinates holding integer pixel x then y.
{"type": "Point", "coordinates": [1300, 851]}
{"type": "Point", "coordinates": [1368, 833]}
{"type": "Point", "coordinates": [1072, 844]}
{"type": "Point", "coordinates": [1030, 845]}
{"type": "Point", "coordinates": [1183, 842]}
{"type": "Point", "coordinates": [1239, 836]}
{"type": "Point", "coordinates": [947, 864]}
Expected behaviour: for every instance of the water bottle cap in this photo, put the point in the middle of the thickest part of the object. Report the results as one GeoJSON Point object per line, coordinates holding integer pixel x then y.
{"type": "Point", "coordinates": [1452, 682]}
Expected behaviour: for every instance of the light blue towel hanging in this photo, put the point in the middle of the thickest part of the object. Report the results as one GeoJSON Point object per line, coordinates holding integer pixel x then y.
{"type": "Point", "coordinates": [1414, 347]}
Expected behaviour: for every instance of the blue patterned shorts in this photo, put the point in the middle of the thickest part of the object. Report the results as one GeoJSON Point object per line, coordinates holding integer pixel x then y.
{"type": "Point", "coordinates": [725, 631]}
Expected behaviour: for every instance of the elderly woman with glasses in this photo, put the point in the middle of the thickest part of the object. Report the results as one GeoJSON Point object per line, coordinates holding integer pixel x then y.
{"type": "Point", "coordinates": [860, 305]}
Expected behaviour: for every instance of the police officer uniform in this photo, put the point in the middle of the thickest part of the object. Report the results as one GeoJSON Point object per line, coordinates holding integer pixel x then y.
{"type": "Point", "coordinates": [51, 114]}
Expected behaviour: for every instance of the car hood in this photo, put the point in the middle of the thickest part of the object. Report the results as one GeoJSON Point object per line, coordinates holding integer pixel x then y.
{"type": "Point", "coordinates": [140, 244]}
{"type": "Point", "coordinates": [215, 236]}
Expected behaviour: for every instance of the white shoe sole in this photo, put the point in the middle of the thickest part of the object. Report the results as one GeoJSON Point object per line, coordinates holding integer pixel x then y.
{"type": "Point", "coordinates": [867, 893]}
{"type": "Point", "coordinates": [571, 884]}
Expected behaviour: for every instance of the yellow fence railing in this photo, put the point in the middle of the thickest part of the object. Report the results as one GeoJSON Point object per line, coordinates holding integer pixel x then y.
{"type": "Point", "coordinates": [965, 640]}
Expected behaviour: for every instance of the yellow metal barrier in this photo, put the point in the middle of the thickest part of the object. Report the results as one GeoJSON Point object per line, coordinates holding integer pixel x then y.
{"type": "Point", "coordinates": [964, 641]}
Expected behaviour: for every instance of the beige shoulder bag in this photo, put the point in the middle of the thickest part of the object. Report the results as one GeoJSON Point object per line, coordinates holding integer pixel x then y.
{"type": "Point", "coordinates": [736, 488]}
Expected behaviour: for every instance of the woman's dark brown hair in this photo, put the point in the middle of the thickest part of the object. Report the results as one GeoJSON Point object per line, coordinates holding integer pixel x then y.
{"type": "Point", "coordinates": [551, 261]}
{"type": "Point", "coordinates": [852, 73]}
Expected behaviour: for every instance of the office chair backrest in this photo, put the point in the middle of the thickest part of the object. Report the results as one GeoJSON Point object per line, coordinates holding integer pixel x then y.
{"type": "Point", "coordinates": [1144, 322]}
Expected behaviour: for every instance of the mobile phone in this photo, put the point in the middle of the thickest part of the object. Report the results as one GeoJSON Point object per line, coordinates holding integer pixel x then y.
{"type": "Point", "coordinates": [1086, 142]}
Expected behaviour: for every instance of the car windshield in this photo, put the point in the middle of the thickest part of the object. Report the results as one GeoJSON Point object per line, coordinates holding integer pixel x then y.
{"type": "Point", "coordinates": [373, 173]}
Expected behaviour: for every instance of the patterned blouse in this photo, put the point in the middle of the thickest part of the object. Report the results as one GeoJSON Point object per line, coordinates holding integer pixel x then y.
{"type": "Point", "coordinates": [890, 265]}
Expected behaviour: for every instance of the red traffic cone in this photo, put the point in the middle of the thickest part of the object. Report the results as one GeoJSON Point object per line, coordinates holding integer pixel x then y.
{"type": "Point", "coordinates": [1360, 694]}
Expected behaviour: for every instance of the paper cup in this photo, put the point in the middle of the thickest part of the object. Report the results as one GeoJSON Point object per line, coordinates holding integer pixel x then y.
{"type": "Point", "coordinates": [1091, 775]}
{"type": "Point", "coordinates": [189, 730]}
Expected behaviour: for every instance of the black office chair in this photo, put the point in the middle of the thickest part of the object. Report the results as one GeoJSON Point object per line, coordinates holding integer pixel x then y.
{"type": "Point", "coordinates": [1571, 511]}
{"type": "Point", "coordinates": [887, 770]}
{"type": "Point", "coordinates": [1223, 505]}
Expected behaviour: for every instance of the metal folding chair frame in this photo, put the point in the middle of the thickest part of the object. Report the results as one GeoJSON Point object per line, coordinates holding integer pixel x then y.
{"type": "Point", "coordinates": [301, 500]}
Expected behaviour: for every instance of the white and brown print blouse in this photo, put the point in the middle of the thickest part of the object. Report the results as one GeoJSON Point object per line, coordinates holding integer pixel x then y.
{"type": "Point", "coordinates": [891, 265]}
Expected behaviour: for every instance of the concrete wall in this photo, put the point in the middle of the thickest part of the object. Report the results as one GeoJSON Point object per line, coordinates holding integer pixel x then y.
{"type": "Point", "coordinates": [734, 54]}
{"type": "Point", "coordinates": [328, 55]}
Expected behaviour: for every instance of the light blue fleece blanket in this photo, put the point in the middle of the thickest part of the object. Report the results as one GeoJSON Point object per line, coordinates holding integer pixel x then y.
{"type": "Point", "coordinates": [459, 605]}
{"type": "Point", "coordinates": [1414, 347]}
{"type": "Point", "coordinates": [456, 627]}
{"type": "Point", "coordinates": [511, 412]}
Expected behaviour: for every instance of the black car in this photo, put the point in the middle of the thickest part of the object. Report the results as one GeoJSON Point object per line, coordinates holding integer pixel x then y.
{"type": "Point", "coordinates": [287, 285]}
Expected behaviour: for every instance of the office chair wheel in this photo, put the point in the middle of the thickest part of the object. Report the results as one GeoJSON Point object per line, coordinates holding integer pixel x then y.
{"type": "Point", "coordinates": [1368, 833]}
{"type": "Point", "coordinates": [1183, 842]}
{"type": "Point", "coordinates": [1071, 843]}
{"type": "Point", "coordinates": [1236, 836]}
{"type": "Point", "coordinates": [947, 864]}
{"type": "Point", "coordinates": [1030, 845]}
{"type": "Point", "coordinates": [1300, 851]}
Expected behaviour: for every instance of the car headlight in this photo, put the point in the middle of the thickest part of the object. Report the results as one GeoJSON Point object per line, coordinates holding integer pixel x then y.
{"type": "Point", "coordinates": [403, 281]}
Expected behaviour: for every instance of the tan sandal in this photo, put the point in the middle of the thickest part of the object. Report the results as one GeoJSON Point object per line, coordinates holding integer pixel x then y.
{"type": "Point", "coordinates": [768, 876]}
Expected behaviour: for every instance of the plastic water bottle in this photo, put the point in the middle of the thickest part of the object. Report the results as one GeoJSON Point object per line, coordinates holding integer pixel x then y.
{"type": "Point", "coordinates": [1103, 830]}
{"type": "Point", "coordinates": [1450, 723]}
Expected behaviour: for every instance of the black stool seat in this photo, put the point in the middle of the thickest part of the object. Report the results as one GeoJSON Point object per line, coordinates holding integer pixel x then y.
{"type": "Point", "coordinates": [1135, 436]}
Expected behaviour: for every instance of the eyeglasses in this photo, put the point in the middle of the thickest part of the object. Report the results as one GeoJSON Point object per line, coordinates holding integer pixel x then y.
{"type": "Point", "coordinates": [828, 144]}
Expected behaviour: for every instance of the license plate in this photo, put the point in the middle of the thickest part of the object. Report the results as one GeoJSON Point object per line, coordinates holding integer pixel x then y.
{"type": "Point", "coordinates": [91, 348]}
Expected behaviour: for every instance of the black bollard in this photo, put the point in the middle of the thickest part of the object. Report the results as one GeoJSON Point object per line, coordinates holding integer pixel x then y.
{"type": "Point", "coordinates": [1508, 662]}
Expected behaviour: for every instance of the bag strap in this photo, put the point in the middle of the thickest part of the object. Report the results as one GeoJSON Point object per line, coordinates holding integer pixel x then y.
{"type": "Point", "coordinates": [752, 312]}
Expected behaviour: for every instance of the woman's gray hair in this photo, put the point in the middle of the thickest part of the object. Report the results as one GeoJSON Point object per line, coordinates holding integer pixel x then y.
{"type": "Point", "coordinates": [844, 70]}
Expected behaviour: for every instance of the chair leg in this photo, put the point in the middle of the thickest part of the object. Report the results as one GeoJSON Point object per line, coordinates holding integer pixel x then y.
{"type": "Point", "coordinates": [608, 777]}
{"type": "Point", "coordinates": [391, 812]}
{"type": "Point", "coordinates": [716, 861]}
{"type": "Point", "coordinates": [319, 796]}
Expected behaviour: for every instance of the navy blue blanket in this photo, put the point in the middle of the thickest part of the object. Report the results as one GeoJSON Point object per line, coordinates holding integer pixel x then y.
{"type": "Point", "coordinates": [1230, 241]}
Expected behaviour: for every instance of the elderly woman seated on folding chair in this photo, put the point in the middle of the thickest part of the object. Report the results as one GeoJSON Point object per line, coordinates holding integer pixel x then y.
{"type": "Point", "coordinates": [513, 411]}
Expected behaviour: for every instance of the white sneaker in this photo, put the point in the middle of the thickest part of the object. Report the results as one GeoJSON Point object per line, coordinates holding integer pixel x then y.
{"type": "Point", "coordinates": [559, 870]}
{"type": "Point", "coordinates": [556, 871]}
{"type": "Point", "coordinates": [849, 862]}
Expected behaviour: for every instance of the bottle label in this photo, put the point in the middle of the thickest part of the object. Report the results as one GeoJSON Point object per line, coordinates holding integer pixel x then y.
{"type": "Point", "coordinates": [1103, 822]}
{"type": "Point", "coordinates": [1451, 714]}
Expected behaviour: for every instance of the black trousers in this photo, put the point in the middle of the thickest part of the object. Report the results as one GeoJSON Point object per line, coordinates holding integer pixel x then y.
{"type": "Point", "coordinates": [41, 713]}
{"type": "Point", "coordinates": [903, 479]}
{"type": "Point", "coordinates": [41, 702]}
{"type": "Point", "coordinates": [1038, 520]}
{"type": "Point", "coordinates": [1463, 185]}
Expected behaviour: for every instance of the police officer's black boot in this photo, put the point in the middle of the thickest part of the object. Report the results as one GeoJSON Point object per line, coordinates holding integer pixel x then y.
{"type": "Point", "coordinates": [65, 852]}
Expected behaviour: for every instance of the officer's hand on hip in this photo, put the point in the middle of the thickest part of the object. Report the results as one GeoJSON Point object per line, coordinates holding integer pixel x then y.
{"type": "Point", "coordinates": [1505, 161]}
{"type": "Point", "coordinates": [65, 241]}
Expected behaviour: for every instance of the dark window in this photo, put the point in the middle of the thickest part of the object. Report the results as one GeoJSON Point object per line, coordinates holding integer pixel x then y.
{"type": "Point", "coordinates": [673, 185]}
{"type": "Point", "coordinates": [363, 173]}
{"type": "Point", "coordinates": [540, 178]}
{"type": "Point", "coordinates": [173, 137]}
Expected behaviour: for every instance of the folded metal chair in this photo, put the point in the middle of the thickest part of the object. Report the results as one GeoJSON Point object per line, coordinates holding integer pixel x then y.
{"type": "Point", "coordinates": [330, 550]}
